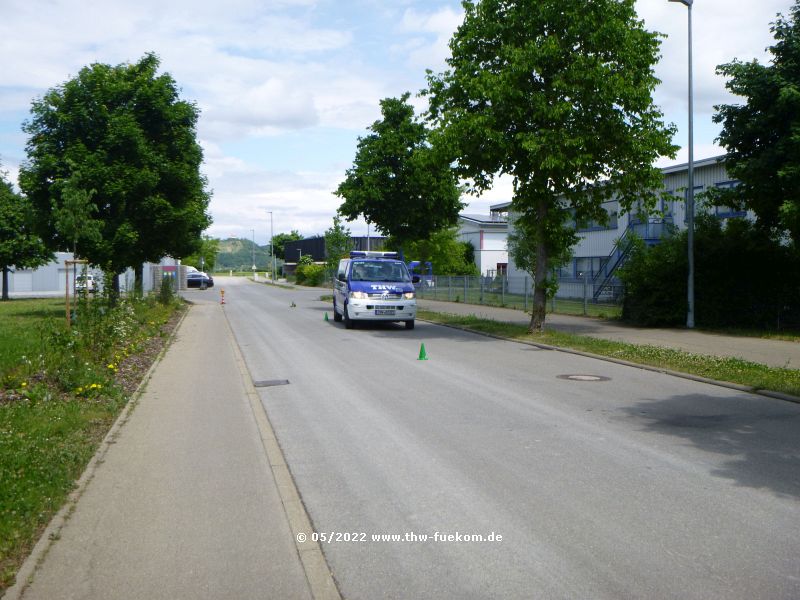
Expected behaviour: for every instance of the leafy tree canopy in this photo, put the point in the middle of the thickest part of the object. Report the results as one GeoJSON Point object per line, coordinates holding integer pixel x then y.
{"type": "Point", "coordinates": [19, 246]}
{"type": "Point", "coordinates": [762, 136]}
{"type": "Point", "coordinates": [558, 95]}
{"type": "Point", "coordinates": [278, 241]}
{"type": "Point", "coordinates": [117, 144]}
{"type": "Point", "coordinates": [399, 182]}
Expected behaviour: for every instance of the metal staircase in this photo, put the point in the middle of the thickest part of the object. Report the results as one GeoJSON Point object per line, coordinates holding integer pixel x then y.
{"type": "Point", "coordinates": [650, 232]}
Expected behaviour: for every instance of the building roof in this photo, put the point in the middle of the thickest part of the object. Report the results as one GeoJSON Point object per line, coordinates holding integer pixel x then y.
{"type": "Point", "coordinates": [703, 162]}
{"type": "Point", "coordinates": [484, 220]}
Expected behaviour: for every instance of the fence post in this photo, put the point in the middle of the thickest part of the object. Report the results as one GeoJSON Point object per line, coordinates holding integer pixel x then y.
{"type": "Point", "coordinates": [465, 288]}
{"type": "Point", "coordinates": [449, 288]}
{"type": "Point", "coordinates": [585, 289]}
{"type": "Point", "coordinates": [526, 294]}
{"type": "Point", "coordinates": [503, 284]}
{"type": "Point", "coordinates": [481, 280]}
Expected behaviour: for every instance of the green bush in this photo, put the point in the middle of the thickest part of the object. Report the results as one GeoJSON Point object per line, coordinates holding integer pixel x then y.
{"type": "Point", "coordinates": [744, 277]}
{"type": "Point", "coordinates": [311, 275]}
{"type": "Point", "coordinates": [166, 294]}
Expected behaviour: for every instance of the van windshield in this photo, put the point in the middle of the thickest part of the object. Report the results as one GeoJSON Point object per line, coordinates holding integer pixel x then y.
{"type": "Point", "coordinates": [379, 270]}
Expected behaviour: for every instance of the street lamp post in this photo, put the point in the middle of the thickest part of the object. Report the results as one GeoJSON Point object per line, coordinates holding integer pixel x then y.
{"type": "Point", "coordinates": [271, 247]}
{"type": "Point", "coordinates": [690, 191]}
{"type": "Point", "coordinates": [254, 250]}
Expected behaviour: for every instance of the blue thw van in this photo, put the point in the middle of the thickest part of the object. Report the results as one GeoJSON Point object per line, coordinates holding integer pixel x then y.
{"type": "Point", "coordinates": [374, 286]}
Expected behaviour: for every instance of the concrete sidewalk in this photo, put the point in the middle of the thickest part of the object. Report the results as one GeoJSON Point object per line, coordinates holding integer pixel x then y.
{"type": "Point", "coordinates": [184, 503]}
{"type": "Point", "coordinates": [775, 353]}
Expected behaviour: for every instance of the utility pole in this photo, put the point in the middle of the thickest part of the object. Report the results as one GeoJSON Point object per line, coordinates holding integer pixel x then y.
{"type": "Point", "coordinates": [271, 247]}
{"type": "Point", "coordinates": [690, 191]}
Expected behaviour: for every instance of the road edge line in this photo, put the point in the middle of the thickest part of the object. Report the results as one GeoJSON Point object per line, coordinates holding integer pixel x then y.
{"type": "Point", "coordinates": [315, 566]}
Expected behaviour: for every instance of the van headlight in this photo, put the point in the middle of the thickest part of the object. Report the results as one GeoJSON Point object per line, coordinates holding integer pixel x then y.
{"type": "Point", "coordinates": [409, 295]}
{"type": "Point", "coordinates": [358, 295]}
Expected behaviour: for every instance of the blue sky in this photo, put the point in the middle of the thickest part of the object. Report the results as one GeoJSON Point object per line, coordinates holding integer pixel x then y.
{"type": "Point", "coordinates": [285, 87]}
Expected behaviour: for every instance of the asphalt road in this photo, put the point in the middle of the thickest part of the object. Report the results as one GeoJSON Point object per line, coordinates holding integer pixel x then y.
{"type": "Point", "coordinates": [638, 486]}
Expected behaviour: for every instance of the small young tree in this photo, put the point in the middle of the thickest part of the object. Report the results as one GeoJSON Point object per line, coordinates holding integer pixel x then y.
{"type": "Point", "coordinates": [73, 219]}
{"type": "Point", "coordinates": [337, 244]}
{"type": "Point", "coordinates": [445, 252]}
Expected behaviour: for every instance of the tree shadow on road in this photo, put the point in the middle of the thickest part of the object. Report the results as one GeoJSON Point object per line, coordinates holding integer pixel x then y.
{"type": "Point", "coordinates": [760, 436]}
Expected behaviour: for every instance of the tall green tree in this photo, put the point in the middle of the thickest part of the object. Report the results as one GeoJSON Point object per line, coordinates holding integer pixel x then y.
{"type": "Point", "coordinates": [132, 140]}
{"type": "Point", "coordinates": [337, 243]}
{"type": "Point", "coordinates": [762, 136]}
{"type": "Point", "coordinates": [20, 247]}
{"type": "Point", "coordinates": [398, 181]}
{"type": "Point", "coordinates": [556, 94]}
{"type": "Point", "coordinates": [278, 241]}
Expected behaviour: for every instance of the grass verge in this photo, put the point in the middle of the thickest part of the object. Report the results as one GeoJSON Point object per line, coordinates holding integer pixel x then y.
{"type": "Point", "coordinates": [733, 370]}
{"type": "Point", "coordinates": [61, 389]}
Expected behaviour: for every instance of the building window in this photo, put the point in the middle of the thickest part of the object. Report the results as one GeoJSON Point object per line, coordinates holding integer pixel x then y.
{"type": "Point", "coordinates": [567, 270]}
{"type": "Point", "coordinates": [728, 212]}
{"type": "Point", "coordinates": [595, 225]}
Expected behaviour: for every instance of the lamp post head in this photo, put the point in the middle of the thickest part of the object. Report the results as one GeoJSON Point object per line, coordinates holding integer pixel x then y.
{"type": "Point", "coordinates": [685, 2]}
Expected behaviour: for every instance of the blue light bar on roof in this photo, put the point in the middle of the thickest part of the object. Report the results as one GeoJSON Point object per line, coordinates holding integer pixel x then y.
{"type": "Point", "coordinates": [374, 254]}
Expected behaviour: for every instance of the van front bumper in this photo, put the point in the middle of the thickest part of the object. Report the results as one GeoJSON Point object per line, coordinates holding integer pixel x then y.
{"type": "Point", "coordinates": [382, 310]}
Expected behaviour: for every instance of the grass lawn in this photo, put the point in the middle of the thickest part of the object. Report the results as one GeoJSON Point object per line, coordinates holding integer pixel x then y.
{"type": "Point", "coordinates": [20, 331]}
{"type": "Point", "coordinates": [733, 370]}
{"type": "Point", "coordinates": [57, 404]}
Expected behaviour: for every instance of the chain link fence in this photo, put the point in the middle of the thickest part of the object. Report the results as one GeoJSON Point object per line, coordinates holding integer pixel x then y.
{"type": "Point", "coordinates": [576, 296]}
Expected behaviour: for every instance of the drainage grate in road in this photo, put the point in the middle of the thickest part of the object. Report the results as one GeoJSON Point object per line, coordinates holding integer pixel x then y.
{"type": "Point", "coordinates": [584, 377]}
{"type": "Point", "coordinates": [271, 382]}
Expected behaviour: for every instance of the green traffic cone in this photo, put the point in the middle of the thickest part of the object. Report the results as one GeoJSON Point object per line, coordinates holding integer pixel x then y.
{"type": "Point", "coordinates": [422, 354]}
{"type": "Point", "coordinates": [326, 317]}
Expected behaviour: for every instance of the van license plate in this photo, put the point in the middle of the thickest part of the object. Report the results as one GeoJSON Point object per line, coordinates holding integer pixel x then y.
{"type": "Point", "coordinates": [384, 311]}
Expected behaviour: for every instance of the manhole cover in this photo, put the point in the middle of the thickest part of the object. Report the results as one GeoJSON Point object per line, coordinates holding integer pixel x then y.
{"type": "Point", "coordinates": [271, 382]}
{"type": "Point", "coordinates": [584, 377]}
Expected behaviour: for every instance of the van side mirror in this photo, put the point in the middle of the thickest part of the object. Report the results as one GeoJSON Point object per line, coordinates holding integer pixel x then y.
{"type": "Point", "coordinates": [415, 279]}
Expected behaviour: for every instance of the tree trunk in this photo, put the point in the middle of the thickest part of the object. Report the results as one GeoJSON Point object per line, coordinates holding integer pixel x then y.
{"type": "Point", "coordinates": [541, 274]}
{"type": "Point", "coordinates": [5, 283]}
{"type": "Point", "coordinates": [114, 295]}
{"type": "Point", "coordinates": [138, 281]}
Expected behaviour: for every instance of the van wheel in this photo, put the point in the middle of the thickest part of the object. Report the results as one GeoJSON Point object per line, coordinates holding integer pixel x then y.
{"type": "Point", "coordinates": [336, 316]}
{"type": "Point", "coordinates": [348, 322]}
{"type": "Point", "coordinates": [410, 324]}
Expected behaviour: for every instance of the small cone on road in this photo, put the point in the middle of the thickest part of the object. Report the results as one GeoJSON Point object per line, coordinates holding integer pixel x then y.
{"type": "Point", "coordinates": [222, 296]}
{"type": "Point", "coordinates": [326, 317]}
{"type": "Point", "coordinates": [422, 354]}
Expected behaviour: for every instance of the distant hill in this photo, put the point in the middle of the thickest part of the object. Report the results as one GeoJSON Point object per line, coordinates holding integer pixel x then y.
{"type": "Point", "coordinates": [237, 254]}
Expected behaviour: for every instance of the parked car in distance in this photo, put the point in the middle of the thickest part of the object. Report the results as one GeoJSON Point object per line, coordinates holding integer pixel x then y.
{"type": "Point", "coordinates": [198, 279]}
{"type": "Point", "coordinates": [85, 283]}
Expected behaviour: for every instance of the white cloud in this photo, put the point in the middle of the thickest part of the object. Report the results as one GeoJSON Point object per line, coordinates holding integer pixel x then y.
{"type": "Point", "coordinates": [422, 52]}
